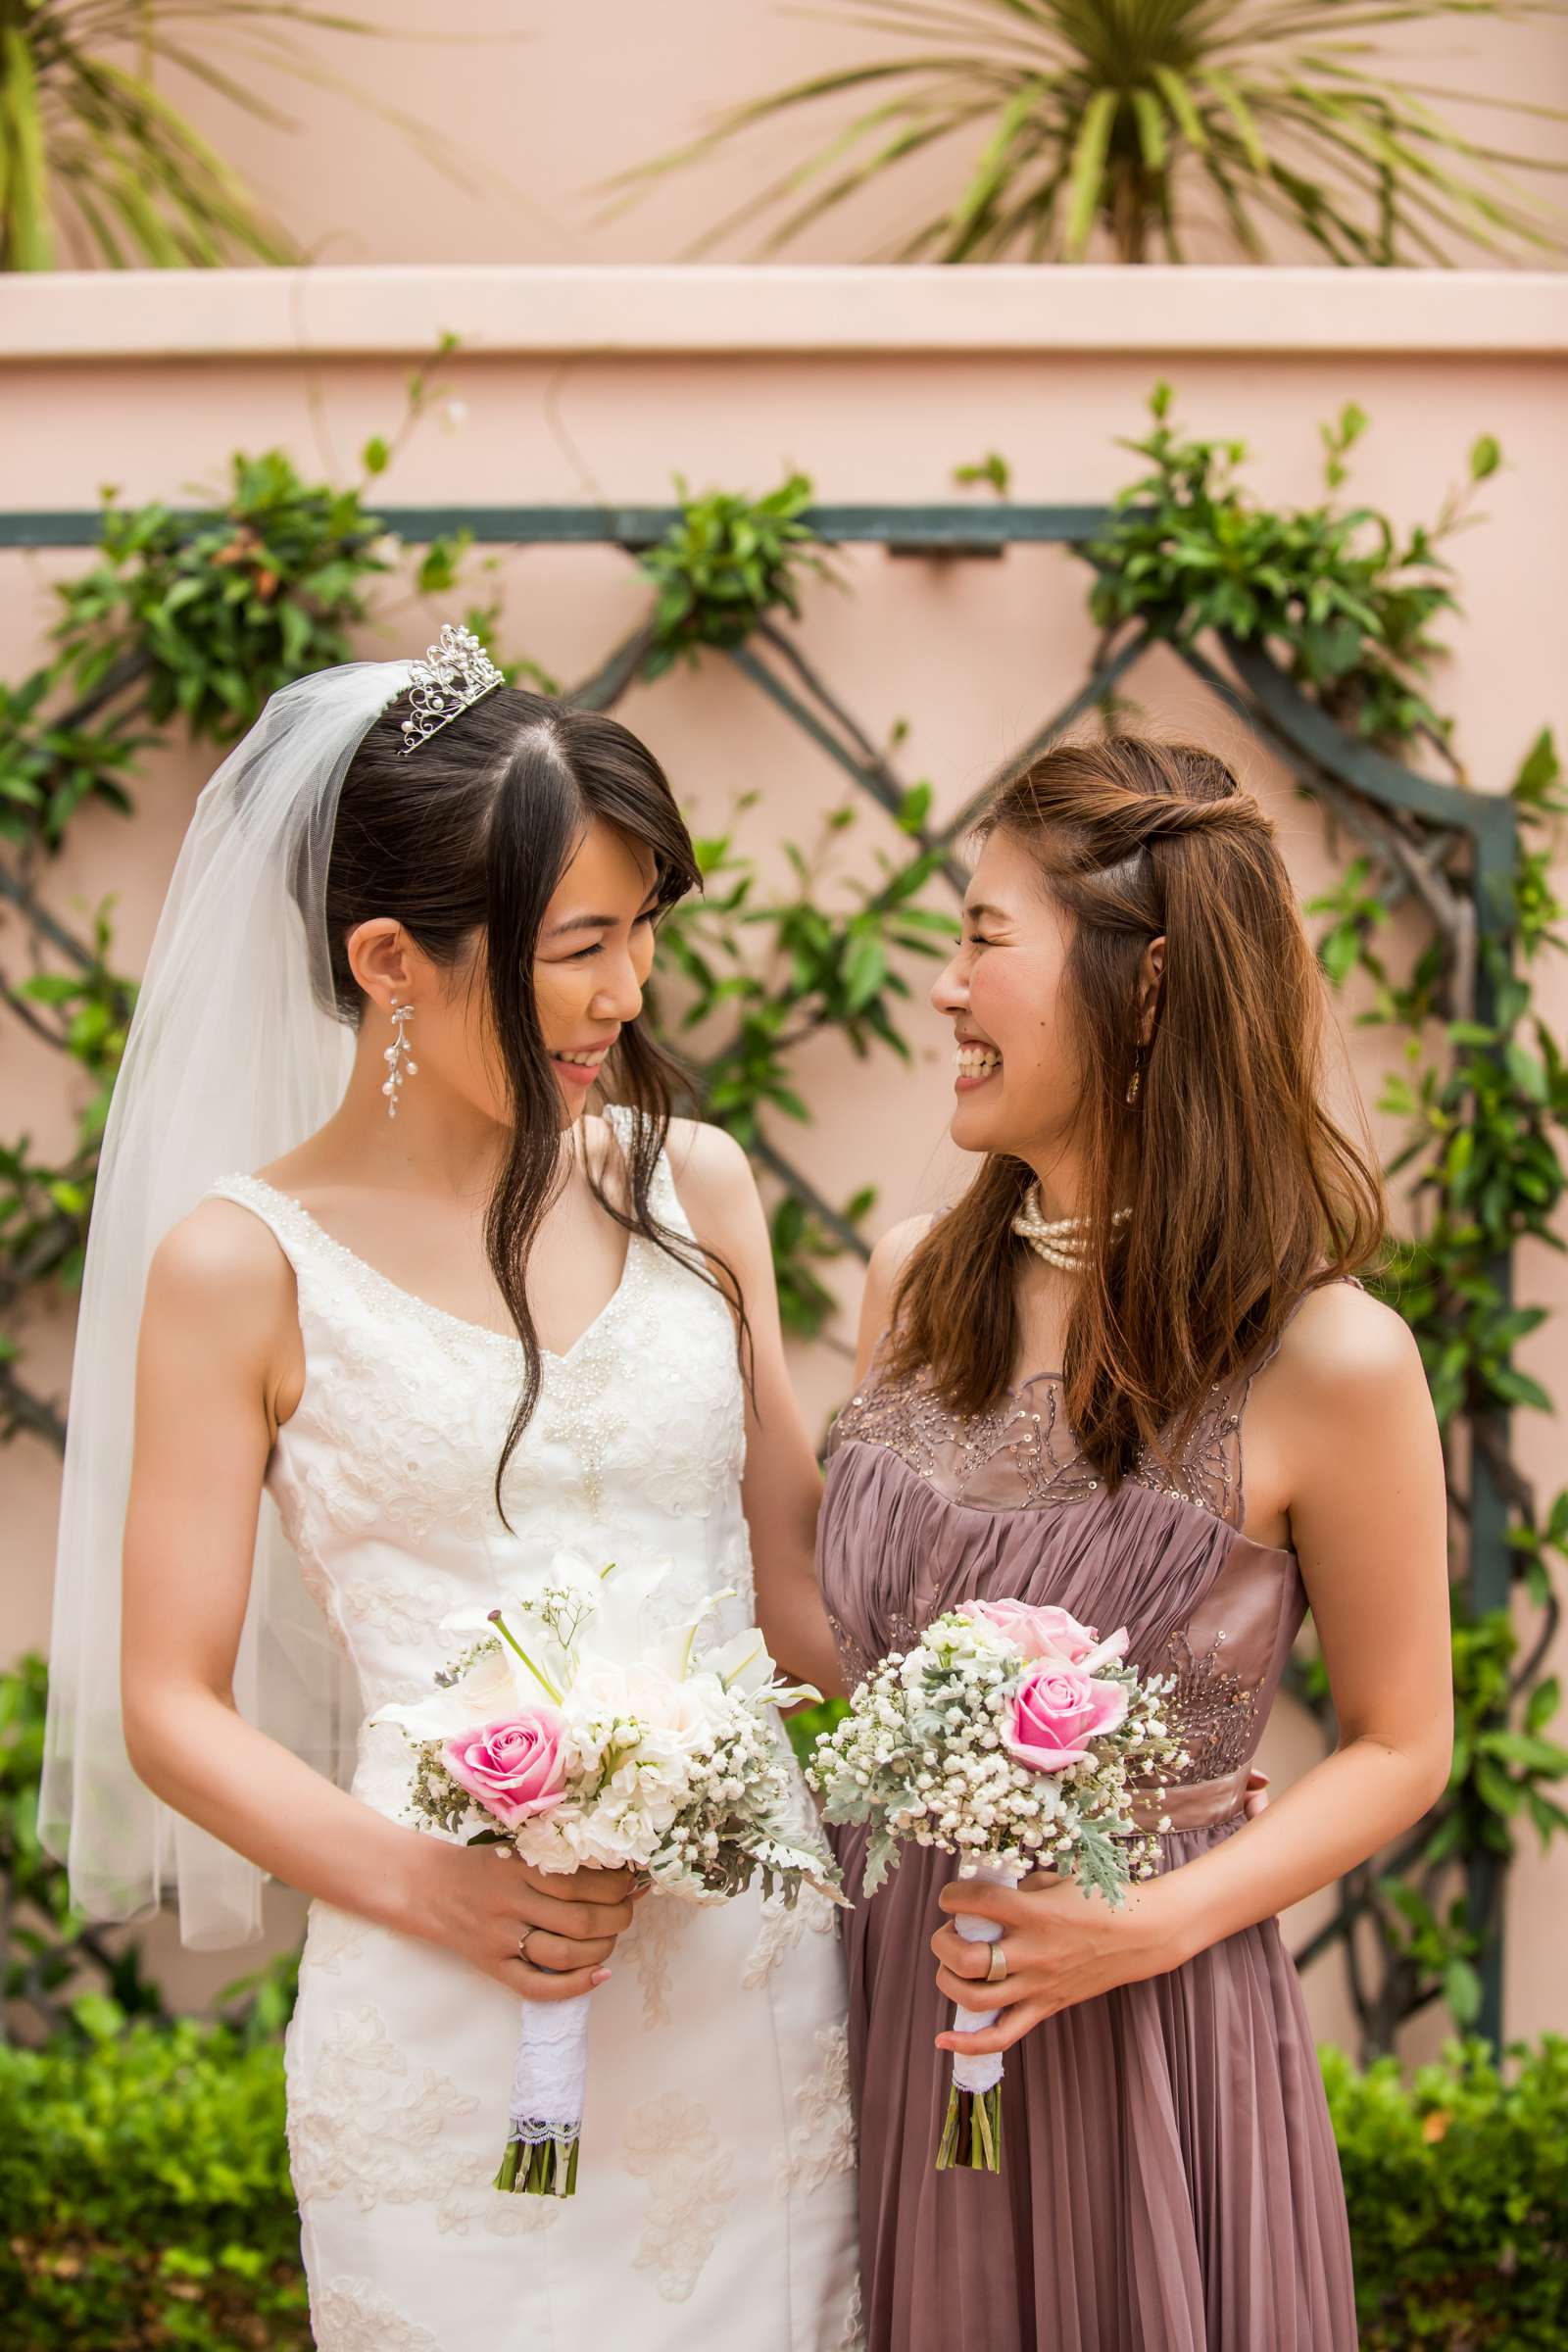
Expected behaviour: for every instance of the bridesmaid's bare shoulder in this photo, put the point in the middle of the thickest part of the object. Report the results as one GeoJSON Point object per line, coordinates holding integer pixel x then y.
{"type": "Point", "coordinates": [895, 1250]}
{"type": "Point", "coordinates": [887, 1262]}
{"type": "Point", "coordinates": [1345, 1405]}
{"type": "Point", "coordinates": [1342, 1338]}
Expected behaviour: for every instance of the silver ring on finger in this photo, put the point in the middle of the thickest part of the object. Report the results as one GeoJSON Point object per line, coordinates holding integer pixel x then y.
{"type": "Point", "coordinates": [997, 1964]}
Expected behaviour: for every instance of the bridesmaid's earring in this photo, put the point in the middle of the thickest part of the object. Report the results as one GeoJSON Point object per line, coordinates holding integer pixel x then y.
{"type": "Point", "coordinates": [1133, 1083]}
{"type": "Point", "coordinates": [396, 1070]}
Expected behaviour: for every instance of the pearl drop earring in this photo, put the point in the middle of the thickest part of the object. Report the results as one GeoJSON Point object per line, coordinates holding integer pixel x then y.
{"type": "Point", "coordinates": [396, 1070]}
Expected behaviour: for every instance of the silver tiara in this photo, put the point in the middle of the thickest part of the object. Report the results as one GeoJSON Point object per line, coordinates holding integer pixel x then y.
{"type": "Point", "coordinates": [455, 671]}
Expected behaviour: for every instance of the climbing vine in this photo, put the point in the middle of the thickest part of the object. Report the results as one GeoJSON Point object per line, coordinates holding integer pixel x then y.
{"type": "Point", "coordinates": [1346, 604]}
{"type": "Point", "coordinates": [183, 624]}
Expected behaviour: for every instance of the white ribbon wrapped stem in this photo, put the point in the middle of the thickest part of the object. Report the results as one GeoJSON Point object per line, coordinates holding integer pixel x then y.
{"type": "Point", "coordinates": [549, 2076]}
{"type": "Point", "coordinates": [969, 2073]}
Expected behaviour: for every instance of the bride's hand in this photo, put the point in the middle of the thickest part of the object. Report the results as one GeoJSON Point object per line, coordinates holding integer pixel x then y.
{"type": "Point", "coordinates": [481, 1901]}
{"type": "Point", "coordinates": [1060, 1948]}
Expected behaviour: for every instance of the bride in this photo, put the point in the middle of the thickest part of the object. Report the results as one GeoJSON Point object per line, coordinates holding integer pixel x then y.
{"type": "Point", "coordinates": [412, 1320]}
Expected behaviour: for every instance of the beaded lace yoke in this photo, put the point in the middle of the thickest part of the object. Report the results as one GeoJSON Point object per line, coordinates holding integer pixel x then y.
{"type": "Point", "coordinates": [926, 1509]}
{"type": "Point", "coordinates": [1022, 1454]}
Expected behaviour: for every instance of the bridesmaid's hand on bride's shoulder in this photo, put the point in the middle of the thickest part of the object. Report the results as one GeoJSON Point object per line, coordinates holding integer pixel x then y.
{"type": "Point", "coordinates": [482, 1902]}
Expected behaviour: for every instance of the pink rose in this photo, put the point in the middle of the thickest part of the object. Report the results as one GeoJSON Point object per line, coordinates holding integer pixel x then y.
{"type": "Point", "coordinates": [1057, 1709]}
{"type": "Point", "coordinates": [1048, 1632]}
{"type": "Point", "coordinates": [512, 1767]}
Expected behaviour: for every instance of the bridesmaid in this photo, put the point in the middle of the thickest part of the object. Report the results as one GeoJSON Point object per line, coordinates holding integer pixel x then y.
{"type": "Point", "coordinates": [1132, 1373]}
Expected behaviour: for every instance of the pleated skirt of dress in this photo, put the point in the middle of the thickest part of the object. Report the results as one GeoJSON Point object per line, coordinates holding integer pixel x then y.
{"type": "Point", "coordinates": [1171, 2180]}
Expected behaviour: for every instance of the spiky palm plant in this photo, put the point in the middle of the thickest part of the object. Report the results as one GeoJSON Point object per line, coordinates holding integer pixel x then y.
{"type": "Point", "coordinates": [1116, 115]}
{"type": "Point", "coordinates": [96, 163]}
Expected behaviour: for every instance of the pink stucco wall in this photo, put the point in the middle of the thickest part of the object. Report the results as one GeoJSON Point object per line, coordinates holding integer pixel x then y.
{"type": "Point", "coordinates": [541, 102]}
{"type": "Point", "coordinates": [577, 386]}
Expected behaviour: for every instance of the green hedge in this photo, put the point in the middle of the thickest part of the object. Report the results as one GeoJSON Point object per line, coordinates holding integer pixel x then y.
{"type": "Point", "coordinates": [1458, 2194]}
{"type": "Point", "coordinates": [146, 2203]}
{"type": "Point", "coordinates": [145, 2198]}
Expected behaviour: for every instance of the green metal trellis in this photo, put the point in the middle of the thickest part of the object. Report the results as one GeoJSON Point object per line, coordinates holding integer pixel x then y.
{"type": "Point", "coordinates": [1365, 788]}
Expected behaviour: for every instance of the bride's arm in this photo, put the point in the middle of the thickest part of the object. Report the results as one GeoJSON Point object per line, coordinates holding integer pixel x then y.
{"type": "Point", "coordinates": [1349, 1420]}
{"type": "Point", "coordinates": [782, 1486]}
{"type": "Point", "coordinates": [219, 1361]}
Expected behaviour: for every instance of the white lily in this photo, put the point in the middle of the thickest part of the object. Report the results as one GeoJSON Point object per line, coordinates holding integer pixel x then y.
{"type": "Point", "coordinates": [490, 1687]}
{"type": "Point", "coordinates": [744, 1664]}
{"type": "Point", "coordinates": [623, 1612]}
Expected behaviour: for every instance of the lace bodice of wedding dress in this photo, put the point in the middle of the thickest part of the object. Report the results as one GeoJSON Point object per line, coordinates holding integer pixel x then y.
{"type": "Point", "coordinates": [716, 2191]}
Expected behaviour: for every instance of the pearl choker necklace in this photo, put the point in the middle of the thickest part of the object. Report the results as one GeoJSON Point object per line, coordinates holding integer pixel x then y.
{"type": "Point", "coordinates": [1061, 1241]}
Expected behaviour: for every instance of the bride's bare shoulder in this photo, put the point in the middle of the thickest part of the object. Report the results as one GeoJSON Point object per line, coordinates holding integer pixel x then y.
{"type": "Point", "coordinates": [222, 1256]}
{"type": "Point", "coordinates": [711, 1169]}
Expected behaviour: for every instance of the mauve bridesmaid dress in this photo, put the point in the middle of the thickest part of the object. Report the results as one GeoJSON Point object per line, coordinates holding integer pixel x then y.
{"type": "Point", "coordinates": [1170, 2179]}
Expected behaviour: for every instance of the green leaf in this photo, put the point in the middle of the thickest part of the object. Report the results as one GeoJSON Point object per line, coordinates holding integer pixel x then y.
{"type": "Point", "coordinates": [1151, 119]}
{"type": "Point", "coordinates": [1461, 1989]}
{"type": "Point", "coordinates": [100, 2018]}
{"type": "Point", "coordinates": [914, 808]}
{"type": "Point", "coordinates": [1087, 170]}
{"type": "Point", "coordinates": [1179, 98]}
{"type": "Point", "coordinates": [1228, 92]}
{"type": "Point", "coordinates": [992, 468]}
{"type": "Point", "coordinates": [27, 241]}
{"type": "Point", "coordinates": [1543, 1703]}
{"type": "Point", "coordinates": [1525, 1071]}
{"type": "Point", "coordinates": [1486, 456]}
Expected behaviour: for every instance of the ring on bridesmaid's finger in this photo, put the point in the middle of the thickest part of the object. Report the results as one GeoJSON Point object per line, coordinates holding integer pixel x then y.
{"type": "Point", "coordinates": [997, 1964]}
{"type": "Point", "coordinates": [522, 1942]}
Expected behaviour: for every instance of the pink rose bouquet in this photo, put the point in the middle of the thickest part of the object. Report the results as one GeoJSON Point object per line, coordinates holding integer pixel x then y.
{"type": "Point", "coordinates": [513, 1768]}
{"type": "Point", "coordinates": [590, 1723]}
{"type": "Point", "coordinates": [1017, 1739]}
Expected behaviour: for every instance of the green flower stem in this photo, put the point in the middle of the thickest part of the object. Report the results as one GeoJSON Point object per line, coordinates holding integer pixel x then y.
{"type": "Point", "coordinates": [971, 2131]}
{"type": "Point", "coordinates": [512, 1642]}
{"type": "Point", "coordinates": [549, 2170]}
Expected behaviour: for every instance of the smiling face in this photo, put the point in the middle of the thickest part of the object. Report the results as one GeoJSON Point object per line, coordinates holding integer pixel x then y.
{"type": "Point", "coordinates": [590, 964]}
{"type": "Point", "coordinates": [1017, 1077]}
{"type": "Point", "coordinates": [595, 951]}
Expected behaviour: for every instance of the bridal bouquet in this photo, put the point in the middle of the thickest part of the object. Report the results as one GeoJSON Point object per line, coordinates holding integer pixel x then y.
{"type": "Point", "coordinates": [576, 1736]}
{"type": "Point", "coordinates": [1015, 1739]}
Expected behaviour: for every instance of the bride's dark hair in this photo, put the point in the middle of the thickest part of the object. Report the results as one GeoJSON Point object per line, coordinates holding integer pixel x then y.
{"type": "Point", "coordinates": [470, 835]}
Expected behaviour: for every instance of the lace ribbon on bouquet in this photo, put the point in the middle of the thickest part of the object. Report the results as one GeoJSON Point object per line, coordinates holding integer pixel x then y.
{"type": "Point", "coordinates": [544, 2112]}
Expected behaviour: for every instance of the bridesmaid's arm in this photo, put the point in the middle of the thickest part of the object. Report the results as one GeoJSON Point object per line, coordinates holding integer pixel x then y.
{"type": "Point", "coordinates": [782, 1486]}
{"type": "Point", "coordinates": [1348, 1422]}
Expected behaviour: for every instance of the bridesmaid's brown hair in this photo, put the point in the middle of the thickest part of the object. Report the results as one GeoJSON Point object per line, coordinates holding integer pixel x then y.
{"type": "Point", "coordinates": [1243, 1190]}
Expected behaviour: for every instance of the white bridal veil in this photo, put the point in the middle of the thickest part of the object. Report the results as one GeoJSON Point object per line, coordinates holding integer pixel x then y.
{"type": "Point", "coordinates": [235, 1056]}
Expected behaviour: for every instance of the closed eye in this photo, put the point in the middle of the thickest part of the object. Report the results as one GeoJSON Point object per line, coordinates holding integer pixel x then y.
{"type": "Point", "coordinates": [648, 916]}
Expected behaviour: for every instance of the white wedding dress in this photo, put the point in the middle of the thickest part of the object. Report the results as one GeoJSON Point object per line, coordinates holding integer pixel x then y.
{"type": "Point", "coordinates": [716, 2201]}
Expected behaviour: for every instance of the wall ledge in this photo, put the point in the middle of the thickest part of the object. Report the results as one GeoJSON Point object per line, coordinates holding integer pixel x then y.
{"type": "Point", "coordinates": [503, 310]}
